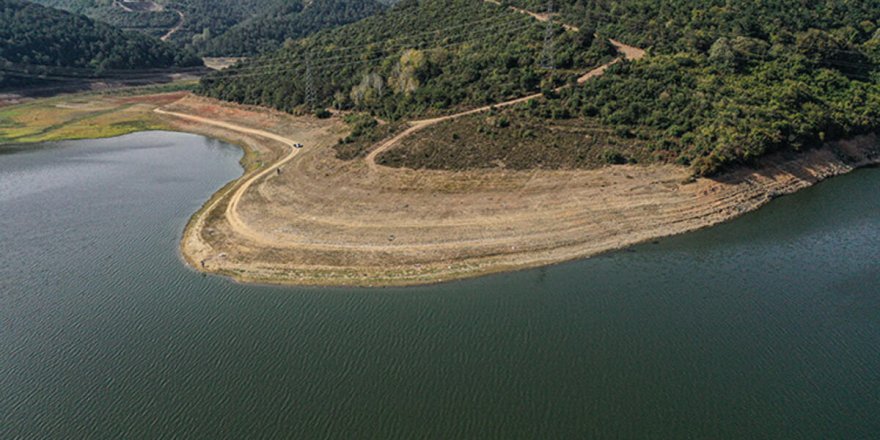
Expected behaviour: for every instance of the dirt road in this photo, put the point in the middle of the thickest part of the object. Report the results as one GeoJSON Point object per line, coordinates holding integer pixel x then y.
{"type": "Point", "coordinates": [230, 126]}
{"type": "Point", "coordinates": [325, 218]}
{"type": "Point", "coordinates": [324, 221]}
{"type": "Point", "coordinates": [232, 207]}
{"type": "Point", "coordinates": [627, 52]}
{"type": "Point", "coordinates": [176, 27]}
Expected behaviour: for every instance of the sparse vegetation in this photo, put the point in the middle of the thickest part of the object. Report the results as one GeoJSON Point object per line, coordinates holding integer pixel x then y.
{"type": "Point", "coordinates": [365, 131]}
{"type": "Point", "coordinates": [84, 116]}
{"type": "Point", "coordinates": [515, 139]}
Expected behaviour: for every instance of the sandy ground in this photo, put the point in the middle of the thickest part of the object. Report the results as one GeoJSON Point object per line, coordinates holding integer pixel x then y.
{"type": "Point", "coordinates": [323, 221]}
{"type": "Point", "coordinates": [302, 216]}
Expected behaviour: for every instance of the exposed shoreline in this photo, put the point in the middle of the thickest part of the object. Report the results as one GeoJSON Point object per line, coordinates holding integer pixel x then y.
{"type": "Point", "coordinates": [321, 221]}
{"type": "Point", "coordinates": [757, 193]}
{"type": "Point", "coordinates": [349, 248]}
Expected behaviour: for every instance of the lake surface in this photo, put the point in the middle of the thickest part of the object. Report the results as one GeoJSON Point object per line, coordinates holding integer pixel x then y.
{"type": "Point", "coordinates": [765, 327]}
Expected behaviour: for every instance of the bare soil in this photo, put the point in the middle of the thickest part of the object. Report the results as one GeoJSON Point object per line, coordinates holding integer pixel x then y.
{"type": "Point", "coordinates": [220, 63]}
{"type": "Point", "coordinates": [324, 221]}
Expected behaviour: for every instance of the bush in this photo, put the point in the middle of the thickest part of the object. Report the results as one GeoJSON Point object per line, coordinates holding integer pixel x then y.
{"type": "Point", "coordinates": [614, 158]}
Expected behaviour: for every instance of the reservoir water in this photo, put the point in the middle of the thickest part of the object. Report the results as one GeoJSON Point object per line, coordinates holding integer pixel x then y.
{"type": "Point", "coordinates": [764, 327]}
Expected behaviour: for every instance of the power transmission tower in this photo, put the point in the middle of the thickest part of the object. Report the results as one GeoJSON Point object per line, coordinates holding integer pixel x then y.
{"type": "Point", "coordinates": [311, 95]}
{"type": "Point", "coordinates": [547, 53]}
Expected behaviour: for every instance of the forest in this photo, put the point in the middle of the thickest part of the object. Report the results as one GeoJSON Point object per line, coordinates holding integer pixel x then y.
{"type": "Point", "coordinates": [154, 23]}
{"type": "Point", "coordinates": [418, 58]}
{"type": "Point", "coordinates": [36, 40]}
{"type": "Point", "coordinates": [287, 20]}
{"type": "Point", "coordinates": [227, 27]}
{"type": "Point", "coordinates": [724, 84]}
{"type": "Point", "coordinates": [729, 81]}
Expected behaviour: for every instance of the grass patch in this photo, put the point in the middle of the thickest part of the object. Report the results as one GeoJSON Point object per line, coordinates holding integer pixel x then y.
{"type": "Point", "coordinates": [82, 116]}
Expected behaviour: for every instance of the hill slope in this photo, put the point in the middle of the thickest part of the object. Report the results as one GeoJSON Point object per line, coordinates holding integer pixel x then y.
{"type": "Point", "coordinates": [420, 57]}
{"type": "Point", "coordinates": [727, 83]}
{"type": "Point", "coordinates": [224, 27]}
{"type": "Point", "coordinates": [288, 20]}
{"type": "Point", "coordinates": [38, 40]}
{"type": "Point", "coordinates": [153, 21]}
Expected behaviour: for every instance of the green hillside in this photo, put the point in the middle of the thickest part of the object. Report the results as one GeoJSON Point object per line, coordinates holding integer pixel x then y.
{"type": "Point", "coordinates": [731, 81]}
{"type": "Point", "coordinates": [39, 40]}
{"type": "Point", "coordinates": [725, 83]}
{"type": "Point", "coordinates": [289, 20]}
{"type": "Point", "coordinates": [155, 23]}
{"type": "Point", "coordinates": [224, 27]}
{"type": "Point", "coordinates": [418, 58]}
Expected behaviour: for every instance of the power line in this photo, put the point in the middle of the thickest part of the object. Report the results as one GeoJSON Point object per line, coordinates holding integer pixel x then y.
{"type": "Point", "coordinates": [311, 96]}
{"type": "Point", "coordinates": [547, 54]}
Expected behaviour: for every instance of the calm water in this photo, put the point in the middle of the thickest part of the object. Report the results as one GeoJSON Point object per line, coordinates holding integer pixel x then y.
{"type": "Point", "coordinates": [766, 327]}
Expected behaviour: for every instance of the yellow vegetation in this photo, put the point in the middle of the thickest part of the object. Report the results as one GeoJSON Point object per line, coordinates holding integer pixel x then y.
{"type": "Point", "coordinates": [77, 117]}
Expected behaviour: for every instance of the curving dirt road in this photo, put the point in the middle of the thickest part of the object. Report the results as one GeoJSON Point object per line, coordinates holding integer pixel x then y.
{"type": "Point", "coordinates": [232, 216]}
{"type": "Point", "coordinates": [325, 221]}
{"type": "Point", "coordinates": [176, 27]}
{"type": "Point", "coordinates": [242, 228]}
{"type": "Point", "coordinates": [627, 52]}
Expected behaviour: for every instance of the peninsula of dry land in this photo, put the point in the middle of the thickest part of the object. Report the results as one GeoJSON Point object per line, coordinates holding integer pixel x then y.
{"type": "Point", "coordinates": [303, 216]}
{"type": "Point", "coordinates": [306, 217]}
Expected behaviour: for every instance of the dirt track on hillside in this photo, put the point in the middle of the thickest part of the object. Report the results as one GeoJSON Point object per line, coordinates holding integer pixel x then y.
{"type": "Point", "coordinates": [176, 27]}
{"type": "Point", "coordinates": [626, 52]}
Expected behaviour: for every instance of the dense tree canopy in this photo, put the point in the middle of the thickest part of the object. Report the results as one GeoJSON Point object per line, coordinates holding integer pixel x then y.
{"type": "Point", "coordinates": [724, 82]}
{"type": "Point", "coordinates": [420, 57]}
{"type": "Point", "coordinates": [289, 20]}
{"type": "Point", "coordinates": [37, 40]}
{"type": "Point", "coordinates": [731, 81]}
{"type": "Point", "coordinates": [152, 22]}
{"type": "Point", "coordinates": [227, 27]}
{"type": "Point", "coordinates": [212, 17]}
